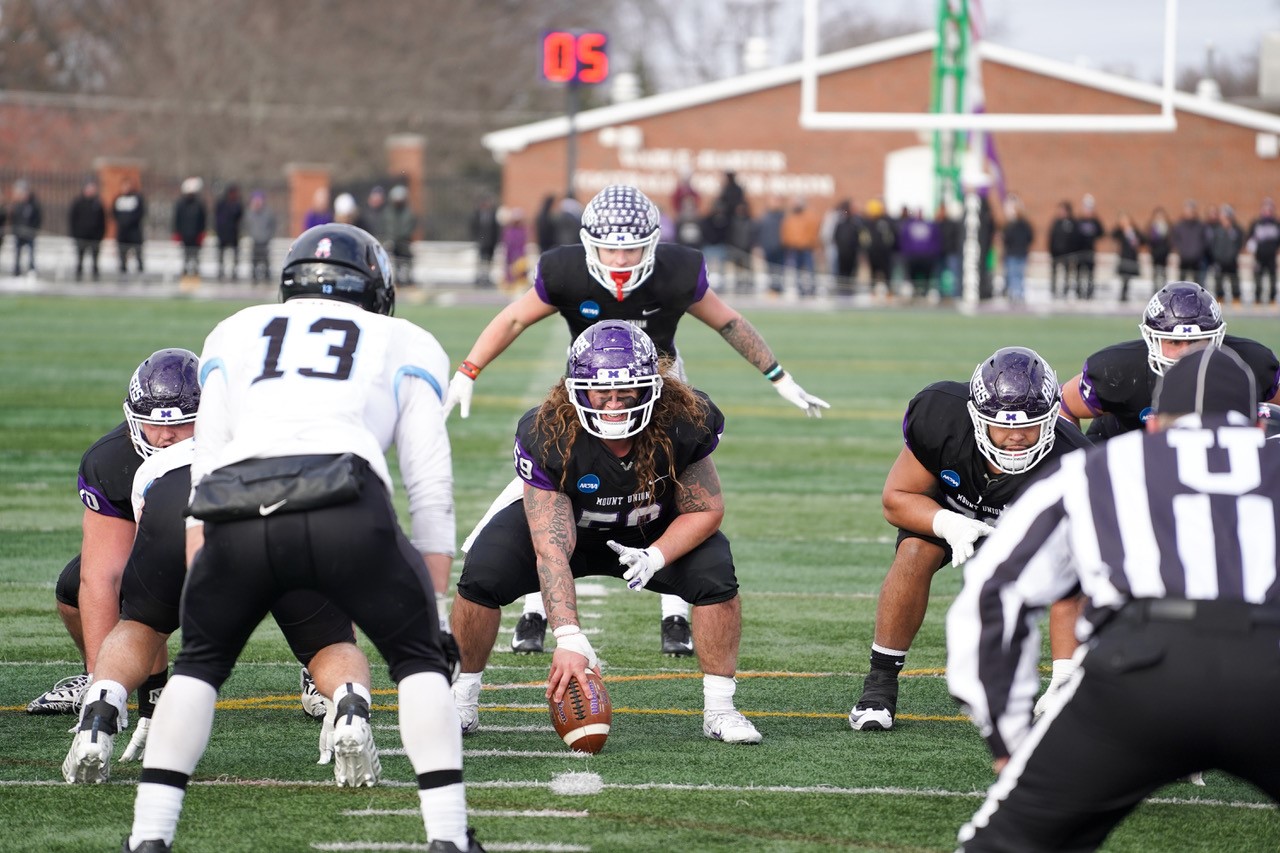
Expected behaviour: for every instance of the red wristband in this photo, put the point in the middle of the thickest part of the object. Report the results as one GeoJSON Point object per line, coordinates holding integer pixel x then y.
{"type": "Point", "coordinates": [469, 369]}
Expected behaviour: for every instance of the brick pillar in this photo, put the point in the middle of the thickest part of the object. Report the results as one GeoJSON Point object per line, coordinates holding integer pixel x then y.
{"type": "Point", "coordinates": [304, 179]}
{"type": "Point", "coordinates": [406, 162]}
{"type": "Point", "coordinates": [112, 173]}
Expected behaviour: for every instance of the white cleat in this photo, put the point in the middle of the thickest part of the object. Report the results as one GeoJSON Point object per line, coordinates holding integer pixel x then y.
{"type": "Point", "coordinates": [355, 757]}
{"type": "Point", "coordinates": [730, 727]}
{"type": "Point", "coordinates": [89, 759]}
{"type": "Point", "coordinates": [312, 699]}
{"type": "Point", "coordinates": [469, 716]}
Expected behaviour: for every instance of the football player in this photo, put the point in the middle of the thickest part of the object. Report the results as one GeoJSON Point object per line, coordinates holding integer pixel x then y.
{"type": "Point", "coordinates": [291, 490]}
{"type": "Point", "coordinates": [618, 480]}
{"type": "Point", "coordinates": [1115, 387]}
{"type": "Point", "coordinates": [970, 450]}
{"type": "Point", "coordinates": [319, 633]}
{"type": "Point", "coordinates": [646, 283]}
{"type": "Point", "coordinates": [159, 410]}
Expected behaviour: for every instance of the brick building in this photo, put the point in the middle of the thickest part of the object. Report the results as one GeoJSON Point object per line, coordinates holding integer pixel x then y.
{"type": "Point", "coordinates": [1220, 153]}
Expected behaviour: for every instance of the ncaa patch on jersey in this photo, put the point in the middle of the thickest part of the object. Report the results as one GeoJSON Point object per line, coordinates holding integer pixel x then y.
{"type": "Point", "coordinates": [951, 478]}
{"type": "Point", "coordinates": [1147, 414]}
{"type": "Point", "coordinates": [588, 484]}
{"type": "Point", "coordinates": [589, 309]}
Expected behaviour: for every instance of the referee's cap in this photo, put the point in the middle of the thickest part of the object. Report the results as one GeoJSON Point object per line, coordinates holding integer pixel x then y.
{"type": "Point", "coordinates": [1210, 381]}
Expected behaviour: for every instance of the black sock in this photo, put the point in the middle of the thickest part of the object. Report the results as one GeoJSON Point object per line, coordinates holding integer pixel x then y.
{"type": "Point", "coordinates": [149, 692]}
{"type": "Point", "coordinates": [887, 663]}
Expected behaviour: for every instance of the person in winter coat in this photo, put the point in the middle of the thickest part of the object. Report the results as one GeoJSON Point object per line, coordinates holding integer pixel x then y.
{"type": "Point", "coordinates": [129, 209]}
{"type": "Point", "coordinates": [190, 220]}
{"type": "Point", "coordinates": [260, 221]}
{"type": "Point", "coordinates": [1128, 240]}
{"type": "Point", "coordinates": [87, 225]}
{"type": "Point", "coordinates": [1062, 247]}
{"type": "Point", "coordinates": [1159, 240]}
{"type": "Point", "coordinates": [1188, 239]}
{"type": "Point", "coordinates": [1016, 237]}
{"type": "Point", "coordinates": [1225, 246]}
{"type": "Point", "coordinates": [25, 218]}
{"type": "Point", "coordinates": [227, 217]}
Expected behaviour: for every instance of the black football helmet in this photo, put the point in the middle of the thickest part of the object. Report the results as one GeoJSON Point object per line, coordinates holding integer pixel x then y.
{"type": "Point", "coordinates": [338, 261]}
{"type": "Point", "coordinates": [620, 217]}
{"type": "Point", "coordinates": [1015, 387]}
{"type": "Point", "coordinates": [1180, 311]}
{"type": "Point", "coordinates": [164, 391]}
{"type": "Point", "coordinates": [613, 354]}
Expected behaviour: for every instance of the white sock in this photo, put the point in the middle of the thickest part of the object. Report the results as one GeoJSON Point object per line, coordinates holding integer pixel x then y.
{"type": "Point", "coordinates": [444, 811]}
{"type": "Point", "coordinates": [466, 689]}
{"type": "Point", "coordinates": [717, 692]}
{"type": "Point", "coordinates": [674, 605]}
{"type": "Point", "coordinates": [112, 691]}
{"type": "Point", "coordinates": [432, 739]}
{"type": "Point", "coordinates": [181, 725]}
{"type": "Point", "coordinates": [155, 812]}
{"type": "Point", "coordinates": [533, 604]}
{"type": "Point", "coordinates": [352, 687]}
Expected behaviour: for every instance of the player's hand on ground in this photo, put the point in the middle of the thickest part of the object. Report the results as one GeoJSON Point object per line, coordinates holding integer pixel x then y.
{"type": "Point", "coordinates": [790, 390]}
{"type": "Point", "coordinates": [961, 532]}
{"type": "Point", "coordinates": [641, 563]}
{"type": "Point", "coordinates": [459, 394]}
{"type": "Point", "coordinates": [137, 743]}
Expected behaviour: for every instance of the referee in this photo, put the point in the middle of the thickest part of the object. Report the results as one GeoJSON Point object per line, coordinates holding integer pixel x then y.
{"type": "Point", "coordinates": [1172, 536]}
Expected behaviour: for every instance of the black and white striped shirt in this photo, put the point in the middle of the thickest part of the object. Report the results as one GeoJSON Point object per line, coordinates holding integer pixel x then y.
{"type": "Point", "coordinates": [1191, 512]}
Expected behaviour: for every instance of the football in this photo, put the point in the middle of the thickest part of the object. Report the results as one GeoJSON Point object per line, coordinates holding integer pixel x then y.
{"type": "Point", "coordinates": [583, 718]}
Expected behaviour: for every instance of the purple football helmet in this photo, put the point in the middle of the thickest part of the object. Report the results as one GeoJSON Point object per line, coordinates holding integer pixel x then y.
{"type": "Point", "coordinates": [1180, 311]}
{"type": "Point", "coordinates": [620, 217]}
{"type": "Point", "coordinates": [613, 354]}
{"type": "Point", "coordinates": [164, 391]}
{"type": "Point", "coordinates": [1013, 388]}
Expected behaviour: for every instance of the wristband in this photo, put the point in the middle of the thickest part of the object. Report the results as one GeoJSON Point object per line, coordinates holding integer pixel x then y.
{"type": "Point", "coordinates": [774, 373]}
{"type": "Point", "coordinates": [469, 370]}
{"type": "Point", "coordinates": [566, 631]}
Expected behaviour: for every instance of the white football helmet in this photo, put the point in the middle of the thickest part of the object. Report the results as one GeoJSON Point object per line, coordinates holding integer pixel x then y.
{"type": "Point", "coordinates": [620, 217]}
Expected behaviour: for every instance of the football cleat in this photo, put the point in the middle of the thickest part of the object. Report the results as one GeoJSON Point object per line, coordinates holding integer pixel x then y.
{"type": "Point", "coordinates": [312, 699]}
{"type": "Point", "coordinates": [151, 845]}
{"type": "Point", "coordinates": [355, 758]}
{"type": "Point", "coordinates": [875, 709]}
{"type": "Point", "coordinates": [729, 726]}
{"type": "Point", "coordinates": [89, 759]}
{"type": "Point", "coordinates": [442, 846]}
{"type": "Point", "coordinates": [530, 636]}
{"type": "Point", "coordinates": [677, 639]}
{"type": "Point", "coordinates": [63, 698]}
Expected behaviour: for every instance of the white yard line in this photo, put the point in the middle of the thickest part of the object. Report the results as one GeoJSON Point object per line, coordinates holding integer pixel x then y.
{"type": "Point", "coordinates": [472, 812]}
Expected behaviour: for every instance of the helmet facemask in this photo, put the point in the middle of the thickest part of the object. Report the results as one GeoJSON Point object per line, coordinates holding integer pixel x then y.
{"type": "Point", "coordinates": [620, 217]}
{"type": "Point", "coordinates": [1014, 389]}
{"type": "Point", "coordinates": [1180, 311]}
{"type": "Point", "coordinates": [615, 423]}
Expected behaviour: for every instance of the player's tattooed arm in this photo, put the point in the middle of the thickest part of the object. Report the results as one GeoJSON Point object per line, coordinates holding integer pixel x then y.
{"type": "Point", "coordinates": [555, 534]}
{"type": "Point", "coordinates": [743, 337]}
{"type": "Point", "coordinates": [700, 488]}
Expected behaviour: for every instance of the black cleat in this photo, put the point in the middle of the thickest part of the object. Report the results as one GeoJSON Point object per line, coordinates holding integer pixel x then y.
{"type": "Point", "coordinates": [878, 703]}
{"type": "Point", "coordinates": [439, 846]}
{"type": "Point", "coordinates": [677, 639]}
{"type": "Point", "coordinates": [530, 636]}
{"type": "Point", "coordinates": [151, 845]}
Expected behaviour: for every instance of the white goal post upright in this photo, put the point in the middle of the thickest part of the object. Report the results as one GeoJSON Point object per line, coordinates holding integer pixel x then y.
{"type": "Point", "coordinates": [811, 118]}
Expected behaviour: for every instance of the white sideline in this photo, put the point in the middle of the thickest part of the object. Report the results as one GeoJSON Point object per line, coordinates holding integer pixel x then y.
{"type": "Point", "coordinates": [504, 753]}
{"type": "Point", "coordinates": [472, 812]}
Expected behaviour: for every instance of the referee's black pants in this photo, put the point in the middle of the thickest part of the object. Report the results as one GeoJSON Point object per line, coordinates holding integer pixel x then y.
{"type": "Point", "coordinates": [1160, 696]}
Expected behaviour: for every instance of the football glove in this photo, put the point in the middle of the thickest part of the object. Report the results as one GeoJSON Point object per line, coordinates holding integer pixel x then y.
{"type": "Point", "coordinates": [326, 732]}
{"type": "Point", "coordinates": [641, 563]}
{"type": "Point", "coordinates": [459, 394]}
{"type": "Point", "coordinates": [787, 388]}
{"type": "Point", "coordinates": [138, 742]}
{"type": "Point", "coordinates": [571, 638]}
{"type": "Point", "coordinates": [961, 532]}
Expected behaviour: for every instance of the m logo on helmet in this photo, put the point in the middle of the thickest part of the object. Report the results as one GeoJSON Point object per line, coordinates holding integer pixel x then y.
{"type": "Point", "coordinates": [324, 248]}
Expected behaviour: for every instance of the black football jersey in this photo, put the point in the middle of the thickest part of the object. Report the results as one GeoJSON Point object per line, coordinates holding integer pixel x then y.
{"type": "Point", "coordinates": [607, 501]}
{"type": "Point", "coordinates": [939, 432]}
{"type": "Point", "coordinates": [106, 474]}
{"type": "Point", "coordinates": [1118, 381]}
{"type": "Point", "coordinates": [679, 279]}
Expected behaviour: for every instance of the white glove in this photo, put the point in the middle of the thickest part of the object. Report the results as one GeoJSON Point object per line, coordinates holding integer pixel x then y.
{"type": "Point", "coordinates": [571, 638]}
{"type": "Point", "coordinates": [138, 742]}
{"type": "Point", "coordinates": [641, 563]}
{"type": "Point", "coordinates": [797, 396]}
{"type": "Point", "coordinates": [326, 732]}
{"type": "Point", "coordinates": [960, 532]}
{"type": "Point", "coordinates": [459, 394]}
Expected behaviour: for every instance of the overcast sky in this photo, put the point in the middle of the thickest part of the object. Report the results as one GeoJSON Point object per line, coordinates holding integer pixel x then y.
{"type": "Point", "coordinates": [1110, 33]}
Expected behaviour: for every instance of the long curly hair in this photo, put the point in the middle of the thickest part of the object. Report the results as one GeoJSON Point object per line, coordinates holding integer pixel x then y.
{"type": "Point", "coordinates": [557, 420]}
